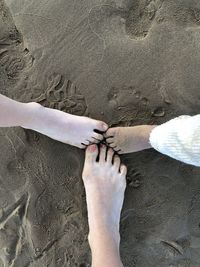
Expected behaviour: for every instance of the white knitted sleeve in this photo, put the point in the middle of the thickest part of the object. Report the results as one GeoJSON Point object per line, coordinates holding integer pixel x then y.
{"type": "Point", "coordinates": [179, 138]}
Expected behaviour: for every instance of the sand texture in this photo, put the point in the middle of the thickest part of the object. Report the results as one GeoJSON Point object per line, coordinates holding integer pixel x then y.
{"type": "Point", "coordinates": [125, 62]}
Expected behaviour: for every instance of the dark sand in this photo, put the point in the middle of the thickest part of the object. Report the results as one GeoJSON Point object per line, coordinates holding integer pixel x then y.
{"type": "Point", "coordinates": [127, 63]}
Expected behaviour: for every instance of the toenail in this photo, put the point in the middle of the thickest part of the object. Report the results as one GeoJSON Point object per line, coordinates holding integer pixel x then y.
{"type": "Point", "coordinates": [92, 148]}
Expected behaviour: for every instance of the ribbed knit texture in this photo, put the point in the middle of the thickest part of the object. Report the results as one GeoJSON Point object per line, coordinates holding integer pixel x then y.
{"type": "Point", "coordinates": [179, 138]}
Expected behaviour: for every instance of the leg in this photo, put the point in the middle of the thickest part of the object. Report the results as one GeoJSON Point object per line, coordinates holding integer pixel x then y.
{"type": "Point", "coordinates": [67, 128]}
{"type": "Point", "coordinates": [74, 130]}
{"type": "Point", "coordinates": [105, 184]}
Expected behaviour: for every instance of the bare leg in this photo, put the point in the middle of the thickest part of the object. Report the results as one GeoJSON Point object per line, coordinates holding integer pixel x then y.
{"type": "Point", "coordinates": [105, 184]}
{"type": "Point", "coordinates": [74, 130]}
{"type": "Point", "coordinates": [67, 128]}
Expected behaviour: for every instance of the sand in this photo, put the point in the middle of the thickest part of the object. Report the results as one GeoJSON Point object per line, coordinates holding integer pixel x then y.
{"type": "Point", "coordinates": [124, 62]}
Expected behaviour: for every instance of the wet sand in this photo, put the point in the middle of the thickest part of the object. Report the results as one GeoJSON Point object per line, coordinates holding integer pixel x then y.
{"type": "Point", "coordinates": [124, 62]}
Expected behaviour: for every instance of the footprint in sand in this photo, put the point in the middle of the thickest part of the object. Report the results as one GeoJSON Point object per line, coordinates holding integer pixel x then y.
{"type": "Point", "coordinates": [140, 17]}
{"type": "Point", "coordinates": [135, 20]}
{"type": "Point", "coordinates": [137, 17]}
{"type": "Point", "coordinates": [127, 98]}
{"type": "Point", "coordinates": [182, 13]}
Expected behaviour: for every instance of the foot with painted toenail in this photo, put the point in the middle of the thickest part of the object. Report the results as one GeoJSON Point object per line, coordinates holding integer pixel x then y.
{"type": "Point", "coordinates": [105, 183]}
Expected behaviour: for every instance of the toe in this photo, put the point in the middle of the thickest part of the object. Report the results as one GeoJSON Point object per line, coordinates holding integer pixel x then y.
{"type": "Point", "coordinates": [102, 153]}
{"type": "Point", "coordinates": [86, 143]}
{"type": "Point", "coordinates": [101, 126]}
{"type": "Point", "coordinates": [110, 154]}
{"type": "Point", "coordinates": [110, 133]}
{"type": "Point", "coordinates": [110, 140]}
{"type": "Point", "coordinates": [123, 170]}
{"type": "Point", "coordinates": [116, 162]}
{"type": "Point", "coordinates": [94, 141]}
{"type": "Point", "coordinates": [82, 146]}
{"type": "Point", "coordinates": [113, 145]}
{"type": "Point", "coordinates": [91, 153]}
{"type": "Point", "coordinates": [97, 136]}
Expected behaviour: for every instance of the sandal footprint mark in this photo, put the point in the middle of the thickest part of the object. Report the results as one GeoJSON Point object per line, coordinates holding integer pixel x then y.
{"type": "Point", "coordinates": [61, 94]}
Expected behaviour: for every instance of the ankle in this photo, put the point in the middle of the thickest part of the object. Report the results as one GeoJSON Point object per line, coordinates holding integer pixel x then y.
{"type": "Point", "coordinates": [107, 234]}
{"type": "Point", "coordinates": [107, 222]}
{"type": "Point", "coordinates": [144, 132]}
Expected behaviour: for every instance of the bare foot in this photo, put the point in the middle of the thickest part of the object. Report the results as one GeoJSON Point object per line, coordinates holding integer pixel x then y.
{"type": "Point", "coordinates": [129, 139]}
{"type": "Point", "coordinates": [105, 184]}
{"type": "Point", "coordinates": [74, 130]}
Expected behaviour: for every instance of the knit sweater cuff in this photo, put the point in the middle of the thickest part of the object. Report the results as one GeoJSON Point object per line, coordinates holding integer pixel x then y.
{"type": "Point", "coordinates": [179, 138]}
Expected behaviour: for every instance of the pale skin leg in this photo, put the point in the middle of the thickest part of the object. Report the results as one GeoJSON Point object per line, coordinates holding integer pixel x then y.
{"type": "Point", "coordinates": [129, 139]}
{"type": "Point", "coordinates": [105, 184]}
{"type": "Point", "coordinates": [74, 130]}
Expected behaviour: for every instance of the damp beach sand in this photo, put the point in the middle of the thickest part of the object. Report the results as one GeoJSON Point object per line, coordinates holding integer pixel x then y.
{"type": "Point", "coordinates": [126, 63]}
